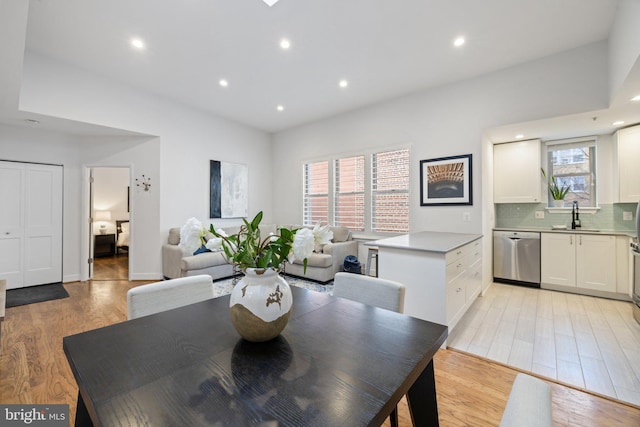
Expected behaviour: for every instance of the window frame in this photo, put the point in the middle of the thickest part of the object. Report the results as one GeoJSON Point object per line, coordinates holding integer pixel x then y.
{"type": "Point", "coordinates": [567, 144]}
{"type": "Point", "coordinates": [368, 190]}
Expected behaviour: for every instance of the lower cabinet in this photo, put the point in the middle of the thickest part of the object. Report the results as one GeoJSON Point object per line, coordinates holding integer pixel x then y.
{"type": "Point", "coordinates": [583, 261]}
{"type": "Point", "coordinates": [440, 286]}
{"type": "Point", "coordinates": [464, 279]}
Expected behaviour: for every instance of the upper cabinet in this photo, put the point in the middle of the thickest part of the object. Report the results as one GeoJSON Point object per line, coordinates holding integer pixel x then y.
{"type": "Point", "coordinates": [627, 171]}
{"type": "Point", "coordinates": [516, 172]}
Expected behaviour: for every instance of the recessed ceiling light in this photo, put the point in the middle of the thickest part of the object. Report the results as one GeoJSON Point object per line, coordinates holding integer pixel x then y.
{"type": "Point", "coordinates": [343, 83]}
{"type": "Point", "coordinates": [519, 136]}
{"type": "Point", "coordinates": [285, 44]}
{"type": "Point", "coordinates": [223, 83]}
{"type": "Point", "coordinates": [618, 123]}
{"type": "Point", "coordinates": [270, 2]}
{"type": "Point", "coordinates": [137, 43]}
{"type": "Point", "coordinates": [280, 108]}
{"type": "Point", "coordinates": [636, 98]}
{"type": "Point", "coordinates": [458, 41]}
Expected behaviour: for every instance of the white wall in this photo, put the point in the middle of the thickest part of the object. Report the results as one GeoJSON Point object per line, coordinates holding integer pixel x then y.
{"type": "Point", "coordinates": [446, 121]}
{"type": "Point", "coordinates": [110, 194]}
{"type": "Point", "coordinates": [624, 43]}
{"type": "Point", "coordinates": [175, 153]}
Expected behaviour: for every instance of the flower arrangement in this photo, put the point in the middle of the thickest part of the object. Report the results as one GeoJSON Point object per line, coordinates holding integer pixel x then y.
{"type": "Point", "coordinates": [249, 249]}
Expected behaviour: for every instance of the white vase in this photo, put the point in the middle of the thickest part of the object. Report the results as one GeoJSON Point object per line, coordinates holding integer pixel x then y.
{"type": "Point", "coordinates": [260, 304]}
{"type": "Point", "coordinates": [558, 203]}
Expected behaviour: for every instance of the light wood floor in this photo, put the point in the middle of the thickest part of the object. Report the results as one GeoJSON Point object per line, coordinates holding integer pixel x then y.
{"type": "Point", "coordinates": [590, 343]}
{"type": "Point", "coordinates": [471, 391]}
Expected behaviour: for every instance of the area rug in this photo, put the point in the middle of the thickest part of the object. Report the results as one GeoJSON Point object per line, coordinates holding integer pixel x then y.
{"type": "Point", "coordinates": [33, 294]}
{"type": "Point", "coordinates": [225, 286]}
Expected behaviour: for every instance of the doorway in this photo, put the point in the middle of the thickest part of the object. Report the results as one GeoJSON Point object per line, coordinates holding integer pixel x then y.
{"type": "Point", "coordinates": [110, 210]}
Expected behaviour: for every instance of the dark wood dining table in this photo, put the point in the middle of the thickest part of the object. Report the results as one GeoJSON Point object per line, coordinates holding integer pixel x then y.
{"type": "Point", "coordinates": [337, 363]}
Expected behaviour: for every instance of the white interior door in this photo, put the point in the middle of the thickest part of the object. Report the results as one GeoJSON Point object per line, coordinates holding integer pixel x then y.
{"type": "Point", "coordinates": [12, 186]}
{"type": "Point", "coordinates": [31, 242]}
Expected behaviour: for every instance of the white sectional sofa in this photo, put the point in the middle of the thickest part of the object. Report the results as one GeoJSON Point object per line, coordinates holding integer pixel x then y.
{"type": "Point", "coordinates": [322, 265]}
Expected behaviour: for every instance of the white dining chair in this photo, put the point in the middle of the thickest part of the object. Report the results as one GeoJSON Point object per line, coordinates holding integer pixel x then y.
{"type": "Point", "coordinates": [373, 291]}
{"type": "Point", "coordinates": [369, 290]}
{"type": "Point", "coordinates": [168, 294]}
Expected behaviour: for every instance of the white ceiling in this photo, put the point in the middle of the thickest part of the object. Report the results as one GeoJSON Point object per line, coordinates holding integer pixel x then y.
{"type": "Point", "coordinates": [383, 48]}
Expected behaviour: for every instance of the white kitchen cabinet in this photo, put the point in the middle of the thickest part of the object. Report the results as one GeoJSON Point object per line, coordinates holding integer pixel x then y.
{"type": "Point", "coordinates": [440, 283]}
{"type": "Point", "coordinates": [582, 261]}
{"type": "Point", "coordinates": [558, 259]}
{"type": "Point", "coordinates": [596, 262]}
{"type": "Point", "coordinates": [516, 172]}
{"type": "Point", "coordinates": [626, 170]}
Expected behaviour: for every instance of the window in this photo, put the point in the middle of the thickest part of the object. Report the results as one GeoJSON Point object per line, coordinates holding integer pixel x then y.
{"type": "Point", "coordinates": [573, 163]}
{"type": "Point", "coordinates": [390, 191]}
{"type": "Point", "coordinates": [316, 193]}
{"type": "Point", "coordinates": [348, 203]}
{"type": "Point", "coordinates": [367, 192]}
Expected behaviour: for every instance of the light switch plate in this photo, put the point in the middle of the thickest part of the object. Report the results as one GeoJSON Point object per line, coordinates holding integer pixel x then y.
{"type": "Point", "coordinates": [627, 216]}
{"type": "Point", "coordinates": [539, 214]}
{"type": "Point", "coordinates": [466, 216]}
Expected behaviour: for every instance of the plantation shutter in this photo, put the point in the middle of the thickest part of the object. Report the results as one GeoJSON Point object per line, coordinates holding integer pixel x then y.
{"type": "Point", "coordinates": [316, 193]}
{"type": "Point", "coordinates": [390, 191]}
{"type": "Point", "coordinates": [349, 205]}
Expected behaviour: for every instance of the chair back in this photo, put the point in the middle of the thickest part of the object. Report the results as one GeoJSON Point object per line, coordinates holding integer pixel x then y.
{"type": "Point", "coordinates": [166, 295]}
{"type": "Point", "coordinates": [369, 290]}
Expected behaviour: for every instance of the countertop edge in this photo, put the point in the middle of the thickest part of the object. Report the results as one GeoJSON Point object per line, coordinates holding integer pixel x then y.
{"type": "Point", "coordinates": [427, 241]}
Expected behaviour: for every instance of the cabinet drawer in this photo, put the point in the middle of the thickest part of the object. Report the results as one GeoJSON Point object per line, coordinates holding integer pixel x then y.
{"type": "Point", "coordinates": [474, 281]}
{"type": "Point", "coordinates": [455, 269]}
{"type": "Point", "coordinates": [456, 254]}
{"type": "Point", "coordinates": [455, 297]}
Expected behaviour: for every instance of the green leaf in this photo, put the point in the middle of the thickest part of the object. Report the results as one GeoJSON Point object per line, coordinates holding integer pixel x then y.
{"type": "Point", "coordinates": [256, 221]}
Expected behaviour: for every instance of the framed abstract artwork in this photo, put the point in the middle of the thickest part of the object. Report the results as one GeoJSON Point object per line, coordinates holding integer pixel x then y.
{"type": "Point", "coordinates": [229, 190]}
{"type": "Point", "coordinates": [446, 181]}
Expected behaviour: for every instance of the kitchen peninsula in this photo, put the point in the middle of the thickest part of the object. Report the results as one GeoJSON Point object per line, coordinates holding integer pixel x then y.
{"type": "Point", "coordinates": [442, 272]}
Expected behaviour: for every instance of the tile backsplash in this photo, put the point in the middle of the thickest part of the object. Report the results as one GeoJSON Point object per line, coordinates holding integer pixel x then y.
{"type": "Point", "coordinates": [522, 215]}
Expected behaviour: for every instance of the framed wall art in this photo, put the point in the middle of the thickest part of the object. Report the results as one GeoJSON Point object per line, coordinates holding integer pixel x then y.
{"type": "Point", "coordinates": [446, 181]}
{"type": "Point", "coordinates": [229, 190]}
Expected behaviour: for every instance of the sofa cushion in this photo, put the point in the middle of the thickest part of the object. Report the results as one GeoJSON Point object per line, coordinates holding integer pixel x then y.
{"type": "Point", "coordinates": [174, 236]}
{"type": "Point", "coordinates": [340, 234]}
{"type": "Point", "coordinates": [204, 260]}
{"type": "Point", "coordinates": [317, 260]}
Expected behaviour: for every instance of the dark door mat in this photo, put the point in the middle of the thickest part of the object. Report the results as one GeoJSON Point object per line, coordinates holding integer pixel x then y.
{"type": "Point", "coordinates": [33, 294]}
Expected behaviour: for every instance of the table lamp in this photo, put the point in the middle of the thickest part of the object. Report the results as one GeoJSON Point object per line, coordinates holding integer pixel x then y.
{"type": "Point", "coordinates": [103, 216]}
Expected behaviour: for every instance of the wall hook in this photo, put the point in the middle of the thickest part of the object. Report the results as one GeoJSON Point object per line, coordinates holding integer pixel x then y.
{"type": "Point", "coordinates": [144, 183]}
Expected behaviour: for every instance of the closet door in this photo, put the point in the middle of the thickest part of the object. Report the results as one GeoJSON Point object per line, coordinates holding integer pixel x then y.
{"type": "Point", "coordinates": [31, 229]}
{"type": "Point", "coordinates": [12, 188]}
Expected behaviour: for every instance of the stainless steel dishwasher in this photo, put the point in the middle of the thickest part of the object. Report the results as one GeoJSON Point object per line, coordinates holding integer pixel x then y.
{"type": "Point", "coordinates": [516, 257]}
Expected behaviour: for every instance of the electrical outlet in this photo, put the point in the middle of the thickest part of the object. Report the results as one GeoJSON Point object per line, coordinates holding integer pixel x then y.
{"type": "Point", "coordinates": [627, 216]}
{"type": "Point", "coordinates": [466, 216]}
{"type": "Point", "coordinates": [539, 214]}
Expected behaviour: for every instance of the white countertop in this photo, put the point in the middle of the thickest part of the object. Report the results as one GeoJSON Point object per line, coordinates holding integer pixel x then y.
{"type": "Point", "coordinates": [429, 241]}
